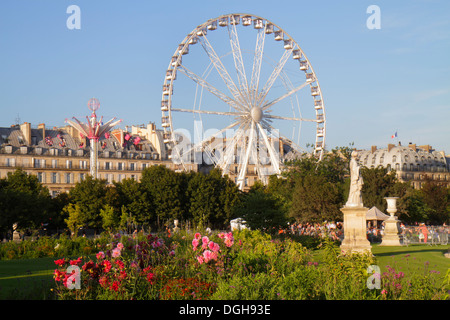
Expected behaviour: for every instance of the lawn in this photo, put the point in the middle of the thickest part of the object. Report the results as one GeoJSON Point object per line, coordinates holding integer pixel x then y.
{"type": "Point", "coordinates": [26, 278]}
{"type": "Point", "coordinates": [413, 257]}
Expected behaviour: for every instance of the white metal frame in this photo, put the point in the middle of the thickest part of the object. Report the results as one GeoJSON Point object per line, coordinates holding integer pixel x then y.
{"type": "Point", "coordinates": [246, 101]}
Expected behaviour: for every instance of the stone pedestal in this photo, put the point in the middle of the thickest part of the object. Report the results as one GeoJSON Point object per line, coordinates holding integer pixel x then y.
{"type": "Point", "coordinates": [355, 230]}
{"type": "Point", "coordinates": [16, 236]}
{"type": "Point", "coordinates": [391, 230]}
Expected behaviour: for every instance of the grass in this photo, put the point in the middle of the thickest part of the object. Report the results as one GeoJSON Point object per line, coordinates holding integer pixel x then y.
{"type": "Point", "coordinates": [26, 279]}
{"type": "Point", "coordinates": [418, 257]}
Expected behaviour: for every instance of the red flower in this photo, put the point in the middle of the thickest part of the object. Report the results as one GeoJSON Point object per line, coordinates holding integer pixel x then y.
{"type": "Point", "coordinates": [60, 262]}
{"type": "Point", "coordinates": [120, 264]}
{"type": "Point", "coordinates": [103, 281]}
{"type": "Point", "coordinates": [107, 266]}
{"type": "Point", "coordinates": [75, 262]}
{"type": "Point", "coordinates": [59, 275]}
{"type": "Point", "coordinates": [150, 278]}
{"type": "Point", "coordinates": [114, 286]}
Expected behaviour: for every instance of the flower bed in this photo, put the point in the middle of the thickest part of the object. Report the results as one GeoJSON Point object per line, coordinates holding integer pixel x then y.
{"type": "Point", "coordinates": [244, 265]}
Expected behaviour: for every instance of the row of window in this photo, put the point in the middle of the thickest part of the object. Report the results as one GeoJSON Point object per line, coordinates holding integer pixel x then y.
{"type": "Point", "coordinates": [70, 178]}
{"type": "Point", "coordinates": [74, 164]}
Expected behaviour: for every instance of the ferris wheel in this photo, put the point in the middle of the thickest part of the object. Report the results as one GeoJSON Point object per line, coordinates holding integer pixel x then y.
{"type": "Point", "coordinates": [247, 95]}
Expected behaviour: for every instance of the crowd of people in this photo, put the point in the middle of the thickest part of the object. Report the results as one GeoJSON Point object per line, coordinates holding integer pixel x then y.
{"type": "Point", "coordinates": [419, 232]}
{"type": "Point", "coordinates": [333, 229]}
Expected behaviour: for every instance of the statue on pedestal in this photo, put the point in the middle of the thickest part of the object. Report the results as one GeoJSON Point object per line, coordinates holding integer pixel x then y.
{"type": "Point", "coordinates": [355, 237]}
{"type": "Point", "coordinates": [356, 183]}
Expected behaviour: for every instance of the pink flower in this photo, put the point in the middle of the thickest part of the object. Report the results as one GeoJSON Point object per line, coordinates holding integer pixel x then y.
{"type": "Point", "coordinates": [195, 243]}
{"type": "Point", "coordinates": [200, 259]}
{"type": "Point", "coordinates": [100, 255]}
{"type": "Point", "coordinates": [197, 236]}
{"type": "Point", "coordinates": [213, 246]}
{"type": "Point", "coordinates": [116, 253]}
{"type": "Point", "coordinates": [120, 245]}
{"type": "Point", "coordinates": [207, 256]}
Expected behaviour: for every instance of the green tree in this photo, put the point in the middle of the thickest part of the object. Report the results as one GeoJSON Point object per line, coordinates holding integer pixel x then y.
{"type": "Point", "coordinates": [110, 218]}
{"type": "Point", "coordinates": [261, 210]}
{"type": "Point", "coordinates": [90, 196]}
{"type": "Point", "coordinates": [23, 199]}
{"type": "Point", "coordinates": [166, 190]}
{"type": "Point", "coordinates": [435, 196]}
{"type": "Point", "coordinates": [211, 198]}
{"type": "Point", "coordinates": [315, 199]}
{"type": "Point", "coordinates": [380, 183]}
{"type": "Point", "coordinates": [76, 218]}
{"type": "Point", "coordinates": [136, 200]}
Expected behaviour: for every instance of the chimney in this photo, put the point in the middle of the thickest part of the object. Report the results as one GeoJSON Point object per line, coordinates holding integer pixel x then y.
{"type": "Point", "coordinates": [42, 127]}
{"type": "Point", "coordinates": [413, 147]}
{"type": "Point", "coordinates": [25, 128]}
{"type": "Point", "coordinates": [374, 148]}
{"type": "Point", "coordinates": [390, 146]}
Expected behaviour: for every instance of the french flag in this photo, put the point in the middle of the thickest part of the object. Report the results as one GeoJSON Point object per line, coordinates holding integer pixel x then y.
{"type": "Point", "coordinates": [394, 135]}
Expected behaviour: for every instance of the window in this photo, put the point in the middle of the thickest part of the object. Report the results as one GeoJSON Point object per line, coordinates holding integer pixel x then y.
{"type": "Point", "coordinates": [54, 177]}
{"type": "Point", "coordinates": [40, 177]}
{"type": "Point", "coordinates": [81, 176]}
{"type": "Point", "coordinates": [83, 164]}
{"type": "Point", "coordinates": [120, 166]}
{"type": "Point", "coordinates": [108, 165]}
{"type": "Point", "coordinates": [54, 163]}
{"type": "Point", "coordinates": [37, 163]}
{"type": "Point", "coordinates": [10, 162]}
{"type": "Point", "coordinates": [68, 164]}
{"type": "Point", "coordinates": [132, 166]}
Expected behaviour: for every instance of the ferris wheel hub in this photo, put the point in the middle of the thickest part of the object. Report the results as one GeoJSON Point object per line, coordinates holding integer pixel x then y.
{"type": "Point", "coordinates": [256, 114]}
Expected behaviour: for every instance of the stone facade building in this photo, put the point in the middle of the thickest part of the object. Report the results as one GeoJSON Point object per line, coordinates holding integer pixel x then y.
{"type": "Point", "coordinates": [412, 163]}
{"type": "Point", "coordinates": [59, 157]}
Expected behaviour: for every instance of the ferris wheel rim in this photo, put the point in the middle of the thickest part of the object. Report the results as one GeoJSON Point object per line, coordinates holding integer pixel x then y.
{"type": "Point", "coordinates": [175, 64]}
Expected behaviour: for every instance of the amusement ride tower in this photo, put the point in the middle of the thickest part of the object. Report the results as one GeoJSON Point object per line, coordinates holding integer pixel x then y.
{"type": "Point", "coordinates": [93, 130]}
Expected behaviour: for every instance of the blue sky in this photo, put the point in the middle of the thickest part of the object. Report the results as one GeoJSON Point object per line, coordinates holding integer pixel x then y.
{"type": "Point", "coordinates": [374, 82]}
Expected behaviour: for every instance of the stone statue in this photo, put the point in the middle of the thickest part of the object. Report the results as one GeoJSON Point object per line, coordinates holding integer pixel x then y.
{"type": "Point", "coordinates": [356, 183]}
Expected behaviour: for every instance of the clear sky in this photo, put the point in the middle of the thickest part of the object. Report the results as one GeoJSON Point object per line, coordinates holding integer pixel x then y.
{"type": "Point", "coordinates": [375, 82]}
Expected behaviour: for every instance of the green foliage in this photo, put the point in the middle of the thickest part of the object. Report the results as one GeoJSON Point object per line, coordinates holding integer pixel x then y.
{"type": "Point", "coordinates": [315, 199]}
{"type": "Point", "coordinates": [23, 200]}
{"type": "Point", "coordinates": [88, 197]}
{"type": "Point", "coordinates": [261, 210]}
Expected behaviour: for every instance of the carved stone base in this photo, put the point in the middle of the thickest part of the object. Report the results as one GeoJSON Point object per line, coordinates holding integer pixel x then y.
{"type": "Point", "coordinates": [391, 233]}
{"type": "Point", "coordinates": [355, 233]}
{"type": "Point", "coordinates": [16, 236]}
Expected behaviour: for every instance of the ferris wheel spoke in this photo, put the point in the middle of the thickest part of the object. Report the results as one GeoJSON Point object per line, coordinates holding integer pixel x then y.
{"type": "Point", "coordinates": [275, 73]}
{"type": "Point", "coordinates": [218, 65]}
{"type": "Point", "coordinates": [238, 61]}
{"type": "Point", "coordinates": [244, 164]}
{"type": "Point", "coordinates": [208, 112]}
{"type": "Point", "coordinates": [270, 116]}
{"type": "Point", "coordinates": [199, 80]}
{"type": "Point", "coordinates": [230, 147]}
{"type": "Point", "coordinates": [269, 104]}
{"type": "Point", "coordinates": [273, 157]}
{"type": "Point", "coordinates": [205, 140]}
{"type": "Point", "coordinates": [257, 61]}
